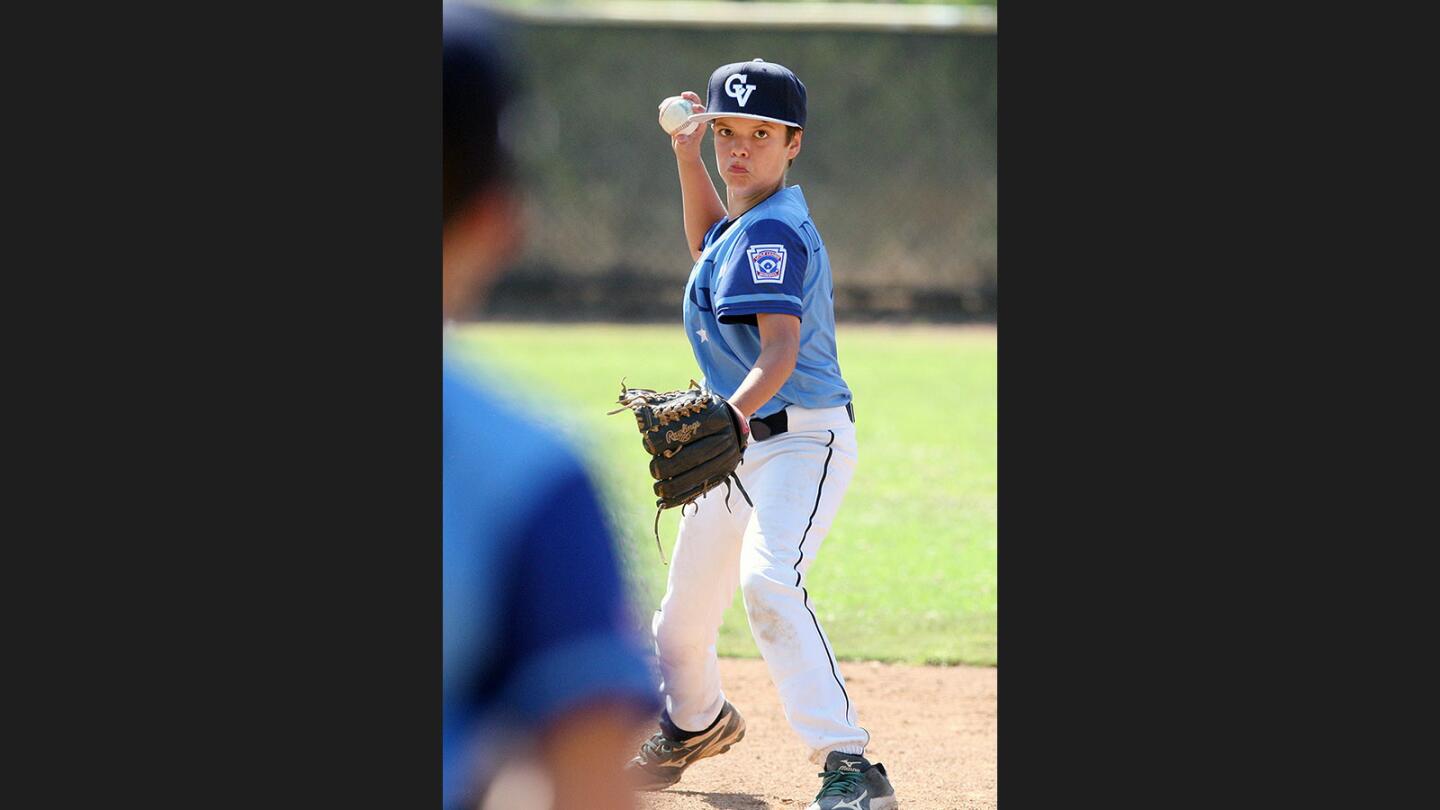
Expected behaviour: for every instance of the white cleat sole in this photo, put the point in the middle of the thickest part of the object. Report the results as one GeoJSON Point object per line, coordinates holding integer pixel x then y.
{"type": "Point", "coordinates": [882, 803]}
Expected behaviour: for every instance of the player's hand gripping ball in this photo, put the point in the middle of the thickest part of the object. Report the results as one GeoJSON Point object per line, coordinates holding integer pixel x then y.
{"type": "Point", "coordinates": [673, 112]}
{"type": "Point", "coordinates": [695, 441]}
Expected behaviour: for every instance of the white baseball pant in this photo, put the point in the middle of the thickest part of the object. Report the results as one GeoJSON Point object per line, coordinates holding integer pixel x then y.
{"type": "Point", "coordinates": [797, 480]}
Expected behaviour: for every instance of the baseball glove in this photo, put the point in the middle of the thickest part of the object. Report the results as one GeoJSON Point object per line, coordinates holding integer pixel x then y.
{"type": "Point", "coordinates": [695, 442]}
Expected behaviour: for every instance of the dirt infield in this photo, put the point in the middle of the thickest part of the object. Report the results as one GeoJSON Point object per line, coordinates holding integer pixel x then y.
{"type": "Point", "coordinates": [934, 729]}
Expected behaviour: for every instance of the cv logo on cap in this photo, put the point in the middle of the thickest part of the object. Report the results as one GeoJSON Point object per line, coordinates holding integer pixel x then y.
{"type": "Point", "coordinates": [736, 88]}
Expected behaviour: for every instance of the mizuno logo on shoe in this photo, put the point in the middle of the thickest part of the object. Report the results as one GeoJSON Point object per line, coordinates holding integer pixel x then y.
{"type": "Point", "coordinates": [677, 763]}
{"type": "Point", "coordinates": [681, 758]}
{"type": "Point", "coordinates": [664, 760]}
{"type": "Point", "coordinates": [849, 764]}
{"type": "Point", "coordinates": [853, 804]}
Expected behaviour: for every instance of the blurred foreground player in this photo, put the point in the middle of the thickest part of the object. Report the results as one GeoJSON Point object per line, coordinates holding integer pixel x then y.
{"type": "Point", "coordinates": [535, 647]}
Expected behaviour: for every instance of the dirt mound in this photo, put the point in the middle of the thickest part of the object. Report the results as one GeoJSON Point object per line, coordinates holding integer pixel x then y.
{"type": "Point", "coordinates": [934, 729]}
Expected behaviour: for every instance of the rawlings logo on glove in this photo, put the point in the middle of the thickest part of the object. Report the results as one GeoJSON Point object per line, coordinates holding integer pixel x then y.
{"type": "Point", "coordinates": [695, 441]}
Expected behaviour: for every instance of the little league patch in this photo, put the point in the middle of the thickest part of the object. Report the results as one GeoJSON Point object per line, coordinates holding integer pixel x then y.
{"type": "Point", "coordinates": [767, 263]}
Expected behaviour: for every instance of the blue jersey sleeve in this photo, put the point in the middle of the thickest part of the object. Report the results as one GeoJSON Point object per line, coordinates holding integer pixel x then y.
{"type": "Point", "coordinates": [715, 230]}
{"type": "Point", "coordinates": [565, 616]}
{"type": "Point", "coordinates": [765, 272]}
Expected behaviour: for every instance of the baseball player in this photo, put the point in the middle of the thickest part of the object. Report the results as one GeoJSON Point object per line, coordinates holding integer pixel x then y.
{"type": "Point", "coordinates": [759, 314]}
{"type": "Point", "coordinates": [534, 653]}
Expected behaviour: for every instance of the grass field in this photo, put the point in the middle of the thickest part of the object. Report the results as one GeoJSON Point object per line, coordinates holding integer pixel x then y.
{"type": "Point", "coordinates": [908, 572]}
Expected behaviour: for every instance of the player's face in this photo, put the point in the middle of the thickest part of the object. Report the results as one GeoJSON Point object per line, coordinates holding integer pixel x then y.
{"type": "Point", "coordinates": [752, 155]}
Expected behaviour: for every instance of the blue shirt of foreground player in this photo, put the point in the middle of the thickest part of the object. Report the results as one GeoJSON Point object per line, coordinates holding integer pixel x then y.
{"type": "Point", "coordinates": [770, 259]}
{"type": "Point", "coordinates": [534, 610]}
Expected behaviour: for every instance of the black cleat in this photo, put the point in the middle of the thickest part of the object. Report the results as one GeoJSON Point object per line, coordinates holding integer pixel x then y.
{"type": "Point", "coordinates": [661, 760]}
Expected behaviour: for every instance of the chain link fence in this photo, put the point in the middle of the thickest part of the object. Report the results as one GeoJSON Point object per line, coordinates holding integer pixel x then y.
{"type": "Point", "coordinates": [898, 165]}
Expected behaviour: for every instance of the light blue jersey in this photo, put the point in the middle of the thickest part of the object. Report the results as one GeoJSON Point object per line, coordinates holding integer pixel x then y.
{"type": "Point", "coordinates": [771, 259]}
{"type": "Point", "coordinates": [535, 617]}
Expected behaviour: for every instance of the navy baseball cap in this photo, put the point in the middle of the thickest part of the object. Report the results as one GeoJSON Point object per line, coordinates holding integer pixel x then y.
{"type": "Point", "coordinates": [756, 89]}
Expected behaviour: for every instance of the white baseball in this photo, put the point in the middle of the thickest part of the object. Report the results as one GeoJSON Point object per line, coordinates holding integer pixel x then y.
{"type": "Point", "coordinates": [673, 115]}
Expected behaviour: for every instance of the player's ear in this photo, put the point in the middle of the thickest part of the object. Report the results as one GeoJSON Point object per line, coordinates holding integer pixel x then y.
{"type": "Point", "coordinates": [793, 147]}
{"type": "Point", "coordinates": [479, 241]}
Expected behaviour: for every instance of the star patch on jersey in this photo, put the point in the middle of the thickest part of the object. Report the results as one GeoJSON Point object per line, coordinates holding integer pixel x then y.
{"type": "Point", "coordinates": [767, 263]}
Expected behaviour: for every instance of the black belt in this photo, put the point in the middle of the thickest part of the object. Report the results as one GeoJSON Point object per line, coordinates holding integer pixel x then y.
{"type": "Point", "coordinates": [778, 422]}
